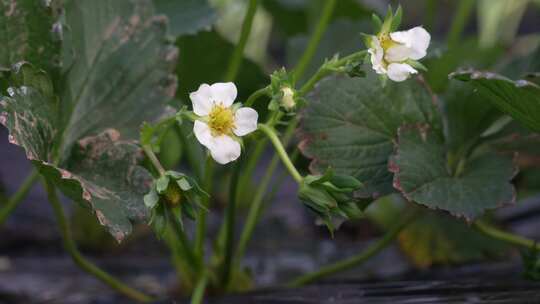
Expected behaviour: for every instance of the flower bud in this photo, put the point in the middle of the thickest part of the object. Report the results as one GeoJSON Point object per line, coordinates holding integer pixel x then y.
{"type": "Point", "coordinates": [174, 193]}
{"type": "Point", "coordinates": [287, 101]}
{"type": "Point", "coordinates": [332, 195]}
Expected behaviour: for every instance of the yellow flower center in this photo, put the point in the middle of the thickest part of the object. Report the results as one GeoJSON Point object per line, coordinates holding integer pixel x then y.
{"type": "Point", "coordinates": [386, 42]}
{"type": "Point", "coordinates": [221, 121]}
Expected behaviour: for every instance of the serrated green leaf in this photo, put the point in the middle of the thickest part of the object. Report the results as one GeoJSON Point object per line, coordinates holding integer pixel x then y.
{"type": "Point", "coordinates": [519, 99]}
{"type": "Point", "coordinates": [350, 124]}
{"type": "Point", "coordinates": [107, 82]}
{"type": "Point", "coordinates": [468, 114]}
{"type": "Point", "coordinates": [186, 16]}
{"type": "Point", "coordinates": [422, 175]}
{"type": "Point", "coordinates": [116, 74]}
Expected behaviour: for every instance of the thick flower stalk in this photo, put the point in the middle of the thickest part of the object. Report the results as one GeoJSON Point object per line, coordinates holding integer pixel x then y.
{"type": "Point", "coordinates": [396, 53]}
{"type": "Point", "coordinates": [220, 124]}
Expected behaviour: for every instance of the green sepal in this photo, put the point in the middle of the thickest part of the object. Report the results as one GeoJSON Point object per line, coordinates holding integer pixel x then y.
{"type": "Point", "coordinates": [366, 38]}
{"type": "Point", "coordinates": [177, 212]}
{"type": "Point", "coordinates": [162, 184]}
{"type": "Point", "coordinates": [184, 184]}
{"type": "Point", "coordinates": [417, 65]}
{"type": "Point", "coordinates": [280, 80]}
{"type": "Point", "coordinates": [189, 211]}
{"type": "Point", "coordinates": [158, 221]}
{"type": "Point", "coordinates": [346, 181]}
{"type": "Point", "coordinates": [355, 70]}
{"type": "Point", "coordinates": [396, 21]}
{"type": "Point", "coordinates": [151, 198]}
{"type": "Point", "coordinates": [387, 24]}
{"type": "Point", "coordinates": [377, 23]}
{"type": "Point", "coordinates": [330, 195]}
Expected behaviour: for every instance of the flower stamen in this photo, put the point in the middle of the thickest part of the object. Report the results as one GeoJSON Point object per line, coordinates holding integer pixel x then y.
{"type": "Point", "coordinates": [221, 120]}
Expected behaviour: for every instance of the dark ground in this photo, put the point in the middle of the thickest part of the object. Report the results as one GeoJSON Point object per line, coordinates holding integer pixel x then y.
{"type": "Point", "coordinates": [34, 269]}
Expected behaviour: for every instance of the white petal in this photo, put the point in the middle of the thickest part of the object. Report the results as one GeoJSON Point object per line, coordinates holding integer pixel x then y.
{"type": "Point", "coordinates": [245, 121]}
{"type": "Point", "coordinates": [376, 51]}
{"type": "Point", "coordinates": [224, 93]}
{"type": "Point", "coordinates": [417, 39]}
{"type": "Point", "coordinates": [202, 100]}
{"type": "Point", "coordinates": [397, 53]}
{"type": "Point", "coordinates": [203, 133]}
{"type": "Point", "coordinates": [224, 149]}
{"type": "Point", "coordinates": [400, 71]}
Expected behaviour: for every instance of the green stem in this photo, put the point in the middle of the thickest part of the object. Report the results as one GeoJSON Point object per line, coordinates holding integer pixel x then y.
{"type": "Point", "coordinates": [200, 233]}
{"type": "Point", "coordinates": [183, 241]}
{"type": "Point", "coordinates": [256, 205]}
{"type": "Point", "coordinates": [200, 288]}
{"type": "Point", "coordinates": [17, 198]}
{"type": "Point", "coordinates": [461, 17]}
{"type": "Point", "coordinates": [179, 260]}
{"type": "Point", "coordinates": [71, 248]}
{"type": "Point", "coordinates": [256, 95]}
{"type": "Point", "coordinates": [356, 260]}
{"type": "Point", "coordinates": [504, 236]}
{"type": "Point", "coordinates": [326, 70]}
{"type": "Point", "coordinates": [153, 159]}
{"type": "Point", "coordinates": [238, 54]}
{"type": "Point", "coordinates": [271, 134]}
{"type": "Point", "coordinates": [230, 219]}
{"type": "Point", "coordinates": [304, 61]}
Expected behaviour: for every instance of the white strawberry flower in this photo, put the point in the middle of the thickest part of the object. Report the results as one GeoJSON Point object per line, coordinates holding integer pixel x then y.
{"type": "Point", "coordinates": [394, 54]}
{"type": "Point", "coordinates": [220, 123]}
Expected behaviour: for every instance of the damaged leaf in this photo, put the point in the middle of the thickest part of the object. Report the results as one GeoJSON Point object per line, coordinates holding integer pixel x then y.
{"type": "Point", "coordinates": [105, 172]}
{"type": "Point", "coordinates": [116, 74]}
{"type": "Point", "coordinates": [30, 31]}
